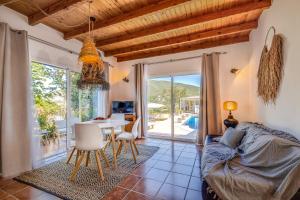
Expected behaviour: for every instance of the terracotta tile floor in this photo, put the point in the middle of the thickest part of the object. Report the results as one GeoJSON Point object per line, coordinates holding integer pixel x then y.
{"type": "Point", "coordinates": [173, 173]}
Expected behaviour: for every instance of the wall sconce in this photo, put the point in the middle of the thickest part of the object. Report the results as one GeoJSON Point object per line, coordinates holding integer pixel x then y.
{"type": "Point", "coordinates": [126, 80]}
{"type": "Point", "coordinates": [235, 71]}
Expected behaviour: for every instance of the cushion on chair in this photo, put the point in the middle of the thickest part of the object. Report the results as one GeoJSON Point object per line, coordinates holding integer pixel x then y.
{"type": "Point", "coordinates": [125, 136]}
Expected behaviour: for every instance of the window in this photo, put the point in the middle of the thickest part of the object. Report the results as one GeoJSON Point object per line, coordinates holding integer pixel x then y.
{"type": "Point", "coordinates": [58, 105]}
{"type": "Point", "coordinates": [84, 104]}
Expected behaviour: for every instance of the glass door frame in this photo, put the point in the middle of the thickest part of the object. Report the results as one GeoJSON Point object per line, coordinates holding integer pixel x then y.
{"type": "Point", "coordinates": [68, 102]}
{"type": "Point", "coordinates": [172, 137]}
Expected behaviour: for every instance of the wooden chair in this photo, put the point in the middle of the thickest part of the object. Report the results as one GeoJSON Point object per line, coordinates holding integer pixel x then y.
{"type": "Point", "coordinates": [88, 138]}
{"type": "Point", "coordinates": [127, 137]}
{"type": "Point", "coordinates": [118, 130]}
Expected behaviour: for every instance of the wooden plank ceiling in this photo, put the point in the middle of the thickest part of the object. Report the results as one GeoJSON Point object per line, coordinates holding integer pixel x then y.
{"type": "Point", "coordinates": [133, 29]}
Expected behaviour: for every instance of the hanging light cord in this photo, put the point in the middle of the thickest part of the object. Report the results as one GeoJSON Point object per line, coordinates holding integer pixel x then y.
{"type": "Point", "coordinates": [9, 2]}
{"type": "Point", "coordinates": [91, 21]}
{"type": "Point", "coordinates": [90, 18]}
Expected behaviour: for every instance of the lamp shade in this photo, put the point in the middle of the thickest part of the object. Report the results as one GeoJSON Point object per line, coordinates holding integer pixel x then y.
{"type": "Point", "coordinates": [88, 53]}
{"type": "Point", "coordinates": [230, 105]}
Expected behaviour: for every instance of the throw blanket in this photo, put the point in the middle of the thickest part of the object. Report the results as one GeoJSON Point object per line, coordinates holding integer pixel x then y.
{"type": "Point", "coordinates": [264, 167]}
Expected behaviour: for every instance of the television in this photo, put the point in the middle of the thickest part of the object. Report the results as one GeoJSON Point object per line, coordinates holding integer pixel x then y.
{"type": "Point", "coordinates": [123, 107]}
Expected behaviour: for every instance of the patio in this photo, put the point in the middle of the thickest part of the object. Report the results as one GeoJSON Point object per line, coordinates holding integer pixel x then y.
{"type": "Point", "coordinates": [163, 129]}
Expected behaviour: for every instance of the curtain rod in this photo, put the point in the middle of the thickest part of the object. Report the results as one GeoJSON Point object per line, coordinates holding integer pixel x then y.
{"type": "Point", "coordinates": [58, 47]}
{"type": "Point", "coordinates": [179, 59]}
{"type": "Point", "coordinates": [51, 44]}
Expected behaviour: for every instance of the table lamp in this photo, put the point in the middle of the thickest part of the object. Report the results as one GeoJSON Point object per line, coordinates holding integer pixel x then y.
{"type": "Point", "coordinates": [230, 121]}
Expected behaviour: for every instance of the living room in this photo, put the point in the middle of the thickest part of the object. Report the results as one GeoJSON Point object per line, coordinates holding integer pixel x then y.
{"type": "Point", "coordinates": [189, 99]}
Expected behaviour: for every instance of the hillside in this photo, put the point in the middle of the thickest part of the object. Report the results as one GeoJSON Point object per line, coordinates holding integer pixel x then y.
{"type": "Point", "coordinates": [163, 88]}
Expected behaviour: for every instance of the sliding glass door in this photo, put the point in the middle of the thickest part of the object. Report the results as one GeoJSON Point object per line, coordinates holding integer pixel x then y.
{"type": "Point", "coordinates": [186, 91]}
{"type": "Point", "coordinates": [59, 104]}
{"type": "Point", "coordinates": [173, 106]}
{"type": "Point", "coordinates": [159, 107]}
{"type": "Point", "coordinates": [50, 95]}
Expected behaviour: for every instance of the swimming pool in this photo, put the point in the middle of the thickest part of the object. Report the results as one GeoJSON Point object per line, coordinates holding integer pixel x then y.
{"type": "Point", "coordinates": [192, 122]}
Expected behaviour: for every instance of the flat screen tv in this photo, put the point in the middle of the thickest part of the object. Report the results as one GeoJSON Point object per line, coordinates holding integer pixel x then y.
{"type": "Point", "coordinates": [122, 107]}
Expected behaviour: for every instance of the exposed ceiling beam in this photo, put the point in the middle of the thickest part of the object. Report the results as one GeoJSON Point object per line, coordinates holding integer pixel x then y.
{"type": "Point", "coordinates": [50, 10]}
{"type": "Point", "coordinates": [191, 47]}
{"type": "Point", "coordinates": [201, 35]}
{"type": "Point", "coordinates": [152, 7]}
{"type": "Point", "coordinates": [239, 9]}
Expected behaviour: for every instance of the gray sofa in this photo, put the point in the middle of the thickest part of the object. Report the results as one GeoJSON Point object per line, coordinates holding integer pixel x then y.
{"type": "Point", "coordinates": [215, 152]}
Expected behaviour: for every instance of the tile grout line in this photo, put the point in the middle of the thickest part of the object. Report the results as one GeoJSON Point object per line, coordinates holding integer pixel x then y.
{"type": "Point", "coordinates": [172, 148]}
{"type": "Point", "coordinates": [131, 190]}
{"type": "Point", "coordinates": [162, 182]}
{"type": "Point", "coordinates": [170, 171]}
{"type": "Point", "coordinates": [187, 189]}
{"type": "Point", "coordinates": [26, 186]}
{"type": "Point", "coordinates": [167, 177]}
{"type": "Point", "coordinates": [8, 194]}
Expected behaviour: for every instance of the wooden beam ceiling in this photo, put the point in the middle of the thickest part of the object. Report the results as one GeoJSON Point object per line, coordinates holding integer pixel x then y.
{"type": "Point", "coordinates": [239, 9]}
{"type": "Point", "coordinates": [152, 7]}
{"type": "Point", "coordinates": [51, 10]}
{"type": "Point", "coordinates": [200, 29]}
{"type": "Point", "coordinates": [184, 48]}
{"type": "Point", "coordinates": [201, 35]}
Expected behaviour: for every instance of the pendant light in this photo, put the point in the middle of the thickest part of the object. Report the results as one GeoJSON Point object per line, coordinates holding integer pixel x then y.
{"type": "Point", "coordinates": [92, 66]}
{"type": "Point", "coordinates": [88, 53]}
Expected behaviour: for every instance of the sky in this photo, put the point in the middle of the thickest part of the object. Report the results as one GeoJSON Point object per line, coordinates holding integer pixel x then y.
{"type": "Point", "coordinates": [186, 79]}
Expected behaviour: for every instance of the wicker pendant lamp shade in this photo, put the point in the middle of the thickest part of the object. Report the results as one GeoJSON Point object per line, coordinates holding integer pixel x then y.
{"type": "Point", "coordinates": [92, 75]}
{"type": "Point", "coordinates": [88, 53]}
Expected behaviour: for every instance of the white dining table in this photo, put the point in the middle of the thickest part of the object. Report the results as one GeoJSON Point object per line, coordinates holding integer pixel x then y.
{"type": "Point", "coordinates": [110, 124]}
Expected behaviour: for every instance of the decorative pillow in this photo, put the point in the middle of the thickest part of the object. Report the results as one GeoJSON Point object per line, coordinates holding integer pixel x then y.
{"type": "Point", "coordinates": [232, 137]}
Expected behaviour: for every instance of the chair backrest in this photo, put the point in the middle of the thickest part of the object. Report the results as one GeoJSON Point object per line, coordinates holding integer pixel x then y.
{"type": "Point", "coordinates": [117, 116]}
{"type": "Point", "coordinates": [88, 137]}
{"type": "Point", "coordinates": [135, 130]}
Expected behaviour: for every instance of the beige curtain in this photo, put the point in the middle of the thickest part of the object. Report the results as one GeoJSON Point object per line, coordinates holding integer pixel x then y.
{"type": "Point", "coordinates": [210, 121]}
{"type": "Point", "coordinates": [141, 92]}
{"type": "Point", "coordinates": [15, 101]}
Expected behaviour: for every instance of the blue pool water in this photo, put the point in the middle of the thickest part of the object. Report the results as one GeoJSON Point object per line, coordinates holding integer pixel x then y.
{"type": "Point", "coordinates": [192, 122]}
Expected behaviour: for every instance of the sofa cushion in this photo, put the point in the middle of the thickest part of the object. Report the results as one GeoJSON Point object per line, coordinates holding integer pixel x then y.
{"type": "Point", "coordinates": [232, 137]}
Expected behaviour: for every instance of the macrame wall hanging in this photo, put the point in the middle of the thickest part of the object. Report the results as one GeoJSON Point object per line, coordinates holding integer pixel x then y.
{"type": "Point", "coordinates": [270, 69]}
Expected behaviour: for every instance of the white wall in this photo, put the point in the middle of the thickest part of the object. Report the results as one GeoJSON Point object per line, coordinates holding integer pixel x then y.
{"type": "Point", "coordinates": [233, 87]}
{"type": "Point", "coordinates": [285, 115]}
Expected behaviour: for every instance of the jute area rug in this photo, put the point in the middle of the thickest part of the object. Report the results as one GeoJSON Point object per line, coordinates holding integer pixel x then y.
{"type": "Point", "coordinates": [54, 178]}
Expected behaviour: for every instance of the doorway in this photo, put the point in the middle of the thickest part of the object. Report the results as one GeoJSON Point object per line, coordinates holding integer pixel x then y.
{"type": "Point", "coordinates": [59, 104]}
{"type": "Point", "coordinates": [173, 107]}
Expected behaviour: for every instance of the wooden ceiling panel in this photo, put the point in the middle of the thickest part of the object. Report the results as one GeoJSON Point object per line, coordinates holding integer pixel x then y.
{"type": "Point", "coordinates": [162, 27]}
{"type": "Point", "coordinates": [152, 7]}
{"type": "Point", "coordinates": [238, 19]}
{"type": "Point", "coordinates": [187, 38]}
{"type": "Point", "coordinates": [220, 41]}
{"type": "Point", "coordinates": [164, 16]}
{"type": "Point", "coordinates": [26, 7]}
{"type": "Point", "coordinates": [134, 28]}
